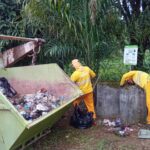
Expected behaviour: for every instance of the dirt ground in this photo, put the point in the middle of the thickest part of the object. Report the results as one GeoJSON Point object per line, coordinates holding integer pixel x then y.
{"type": "Point", "coordinates": [65, 137]}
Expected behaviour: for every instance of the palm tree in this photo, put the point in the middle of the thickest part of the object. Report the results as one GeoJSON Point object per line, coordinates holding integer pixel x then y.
{"type": "Point", "coordinates": [81, 29]}
{"type": "Point", "coordinates": [136, 15]}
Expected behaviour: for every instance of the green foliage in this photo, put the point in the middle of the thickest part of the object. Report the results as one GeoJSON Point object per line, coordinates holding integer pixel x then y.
{"type": "Point", "coordinates": [11, 21]}
{"type": "Point", "coordinates": [112, 69]}
{"type": "Point", "coordinates": [136, 16]}
{"type": "Point", "coordinates": [93, 31]}
{"type": "Point", "coordinates": [69, 33]}
{"type": "Point", "coordinates": [147, 61]}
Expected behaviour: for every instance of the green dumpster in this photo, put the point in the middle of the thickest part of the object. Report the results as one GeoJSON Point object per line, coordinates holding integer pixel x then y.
{"type": "Point", "coordinates": [15, 131]}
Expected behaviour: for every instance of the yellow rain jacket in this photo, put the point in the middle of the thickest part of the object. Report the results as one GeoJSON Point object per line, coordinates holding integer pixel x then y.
{"type": "Point", "coordinates": [142, 79]}
{"type": "Point", "coordinates": [82, 77]}
{"type": "Point", "coordinates": [139, 77]}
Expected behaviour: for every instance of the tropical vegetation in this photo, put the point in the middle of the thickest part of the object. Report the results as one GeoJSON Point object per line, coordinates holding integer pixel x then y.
{"type": "Point", "coordinates": [91, 30]}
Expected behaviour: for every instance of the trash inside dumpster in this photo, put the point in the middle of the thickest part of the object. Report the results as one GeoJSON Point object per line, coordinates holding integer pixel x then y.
{"type": "Point", "coordinates": [32, 99]}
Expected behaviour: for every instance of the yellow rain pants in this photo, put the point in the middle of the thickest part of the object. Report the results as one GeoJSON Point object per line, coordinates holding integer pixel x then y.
{"type": "Point", "coordinates": [142, 79]}
{"type": "Point", "coordinates": [147, 91]}
{"type": "Point", "coordinates": [89, 102]}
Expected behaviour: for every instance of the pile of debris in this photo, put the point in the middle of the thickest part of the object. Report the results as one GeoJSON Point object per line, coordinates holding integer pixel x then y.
{"type": "Point", "coordinates": [117, 127]}
{"type": "Point", "coordinates": [31, 106]}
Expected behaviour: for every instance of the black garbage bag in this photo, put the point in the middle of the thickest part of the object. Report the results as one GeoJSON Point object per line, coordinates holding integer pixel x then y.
{"type": "Point", "coordinates": [6, 88]}
{"type": "Point", "coordinates": [81, 119]}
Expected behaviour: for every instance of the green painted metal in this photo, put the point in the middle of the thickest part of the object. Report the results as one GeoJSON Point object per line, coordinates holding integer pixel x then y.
{"type": "Point", "coordinates": [14, 129]}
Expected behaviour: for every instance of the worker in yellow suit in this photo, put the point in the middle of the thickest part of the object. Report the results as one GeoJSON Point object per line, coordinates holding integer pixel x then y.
{"type": "Point", "coordinates": [141, 79]}
{"type": "Point", "coordinates": [82, 77]}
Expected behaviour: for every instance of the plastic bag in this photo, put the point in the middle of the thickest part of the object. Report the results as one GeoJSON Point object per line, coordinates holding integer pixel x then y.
{"type": "Point", "coordinates": [81, 119]}
{"type": "Point", "coordinates": [6, 88]}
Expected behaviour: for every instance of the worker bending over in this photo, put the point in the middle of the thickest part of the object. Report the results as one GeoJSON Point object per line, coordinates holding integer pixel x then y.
{"type": "Point", "coordinates": [141, 79]}
{"type": "Point", "coordinates": [82, 77]}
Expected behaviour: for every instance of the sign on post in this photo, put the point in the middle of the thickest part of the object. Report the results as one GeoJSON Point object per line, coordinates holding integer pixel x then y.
{"type": "Point", "coordinates": [130, 55]}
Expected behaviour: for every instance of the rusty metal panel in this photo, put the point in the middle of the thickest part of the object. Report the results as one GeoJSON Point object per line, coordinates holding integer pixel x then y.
{"type": "Point", "coordinates": [13, 55]}
{"type": "Point", "coordinates": [6, 37]}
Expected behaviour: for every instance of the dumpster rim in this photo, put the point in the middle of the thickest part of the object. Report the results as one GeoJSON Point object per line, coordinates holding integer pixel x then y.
{"type": "Point", "coordinates": [13, 110]}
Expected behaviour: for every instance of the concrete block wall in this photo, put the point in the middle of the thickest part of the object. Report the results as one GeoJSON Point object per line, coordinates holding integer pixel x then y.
{"type": "Point", "coordinates": [126, 102]}
{"type": "Point", "coordinates": [107, 104]}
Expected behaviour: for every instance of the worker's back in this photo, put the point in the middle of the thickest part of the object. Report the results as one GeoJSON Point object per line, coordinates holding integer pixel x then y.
{"type": "Point", "coordinates": [82, 77]}
{"type": "Point", "coordinates": [141, 78]}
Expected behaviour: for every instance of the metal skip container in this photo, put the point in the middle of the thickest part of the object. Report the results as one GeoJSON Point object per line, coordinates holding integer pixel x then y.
{"type": "Point", "coordinates": [15, 131]}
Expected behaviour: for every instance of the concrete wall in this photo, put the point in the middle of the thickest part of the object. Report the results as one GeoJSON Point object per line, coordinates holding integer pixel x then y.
{"type": "Point", "coordinates": [127, 102]}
